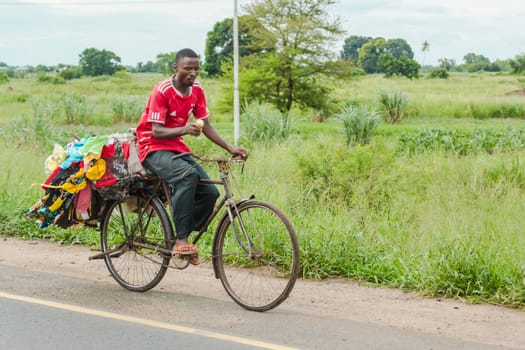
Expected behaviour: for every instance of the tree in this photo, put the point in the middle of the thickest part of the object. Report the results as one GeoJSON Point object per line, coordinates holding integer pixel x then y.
{"type": "Point", "coordinates": [398, 48]}
{"type": "Point", "coordinates": [369, 55]}
{"type": "Point", "coordinates": [301, 33]}
{"type": "Point", "coordinates": [518, 64]}
{"type": "Point", "coordinates": [43, 68]}
{"type": "Point", "coordinates": [219, 43]}
{"type": "Point", "coordinates": [447, 63]}
{"type": "Point", "coordinates": [351, 47]}
{"type": "Point", "coordinates": [147, 67]}
{"type": "Point", "coordinates": [99, 62]}
{"type": "Point", "coordinates": [425, 48]}
{"type": "Point", "coordinates": [402, 66]}
{"type": "Point", "coordinates": [165, 63]}
{"type": "Point", "coordinates": [472, 58]}
{"type": "Point", "coordinates": [401, 54]}
{"type": "Point", "coordinates": [475, 62]}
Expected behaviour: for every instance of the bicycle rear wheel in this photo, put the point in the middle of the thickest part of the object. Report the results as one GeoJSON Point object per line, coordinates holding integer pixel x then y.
{"type": "Point", "coordinates": [132, 232]}
{"type": "Point", "coordinates": [256, 256]}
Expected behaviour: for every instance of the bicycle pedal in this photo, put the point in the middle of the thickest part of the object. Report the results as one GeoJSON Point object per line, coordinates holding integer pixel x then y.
{"type": "Point", "coordinates": [180, 261]}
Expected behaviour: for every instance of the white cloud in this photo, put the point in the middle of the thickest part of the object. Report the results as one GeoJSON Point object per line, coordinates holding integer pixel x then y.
{"type": "Point", "coordinates": [190, 11]}
{"type": "Point", "coordinates": [137, 30]}
{"type": "Point", "coordinates": [452, 27]}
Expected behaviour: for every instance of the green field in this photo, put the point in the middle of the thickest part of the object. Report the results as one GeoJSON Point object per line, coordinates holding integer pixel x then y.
{"type": "Point", "coordinates": [443, 218]}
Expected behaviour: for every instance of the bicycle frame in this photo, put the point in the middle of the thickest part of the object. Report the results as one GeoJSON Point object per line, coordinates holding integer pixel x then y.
{"type": "Point", "coordinates": [226, 201]}
{"type": "Point", "coordinates": [162, 190]}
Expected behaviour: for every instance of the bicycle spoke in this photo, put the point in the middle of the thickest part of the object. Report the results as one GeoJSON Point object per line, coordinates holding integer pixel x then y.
{"type": "Point", "coordinates": [137, 232]}
{"type": "Point", "coordinates": [258, 256]}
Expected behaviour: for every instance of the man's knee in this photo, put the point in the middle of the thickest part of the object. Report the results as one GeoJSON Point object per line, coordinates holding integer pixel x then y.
{"type": "Point", "coordinates": [215, 193]}
{"type": "Point", "coordinates": [212, 193]}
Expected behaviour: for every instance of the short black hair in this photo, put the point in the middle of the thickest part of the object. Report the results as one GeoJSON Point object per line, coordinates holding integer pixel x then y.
{"type": "Point", "coordinates": [185, 53]}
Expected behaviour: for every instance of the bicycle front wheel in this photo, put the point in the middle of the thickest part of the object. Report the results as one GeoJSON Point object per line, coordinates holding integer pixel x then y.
{"type": "Point", "coordinates": [133, 234]}
{"type": "Point", "coordinates": [257, 256]}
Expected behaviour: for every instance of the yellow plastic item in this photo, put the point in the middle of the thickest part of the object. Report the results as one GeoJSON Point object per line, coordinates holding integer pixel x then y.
{"type": "Point", "coordinates": [97, 170]}
{"type": "Point", "coordinates": [57, 204]}
{"type": "Point", "coordinates": [73, 188]}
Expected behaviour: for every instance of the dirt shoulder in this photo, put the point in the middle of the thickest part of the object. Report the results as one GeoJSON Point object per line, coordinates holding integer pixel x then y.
{"type": "Point", "coordinates": [341, 299]}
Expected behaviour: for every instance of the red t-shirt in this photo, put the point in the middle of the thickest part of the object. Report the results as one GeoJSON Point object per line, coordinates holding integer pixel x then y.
{"type": "Point", "coordinates": [168, 107]}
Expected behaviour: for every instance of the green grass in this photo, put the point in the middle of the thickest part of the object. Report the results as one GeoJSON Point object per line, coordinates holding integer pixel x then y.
{"type": "Point", "coordinates": [436, 98]}
{"type": "Point", "coordinates": [438, 222]}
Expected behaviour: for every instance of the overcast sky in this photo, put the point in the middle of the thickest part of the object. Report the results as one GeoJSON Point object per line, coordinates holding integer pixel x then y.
{"type": "Point", "coordinates": [56, 31]}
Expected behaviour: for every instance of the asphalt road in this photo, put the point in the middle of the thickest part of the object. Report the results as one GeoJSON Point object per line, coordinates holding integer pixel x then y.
{"type": "Point", "coordinates": [61, 301]}
{"type": "Point", "coordinates": [28, 323]}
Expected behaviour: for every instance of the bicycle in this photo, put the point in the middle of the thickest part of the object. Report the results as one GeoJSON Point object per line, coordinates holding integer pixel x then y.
{"type": "Point", "coordinates": [255, 252]}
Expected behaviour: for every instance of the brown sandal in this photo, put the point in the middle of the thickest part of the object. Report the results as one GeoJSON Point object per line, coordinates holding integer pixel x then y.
{"type": "Point", "coordinates": [194, 259]}
{"type": "Point", "coordinates": [186, 249]}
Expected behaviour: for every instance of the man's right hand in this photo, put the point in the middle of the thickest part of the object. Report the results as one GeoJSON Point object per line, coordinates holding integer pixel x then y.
{"type": "Point", "coordinates": [193, 130]}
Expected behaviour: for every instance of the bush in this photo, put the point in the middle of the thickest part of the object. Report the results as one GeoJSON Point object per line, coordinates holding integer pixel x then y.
{"type": "Point", "coordinates": [334, 175]}
{"type": "Point", "coordinates": [44, 78]}
{"type": "Point", "coordinates": [440, 73]}
{"type": "Point", "coordinates": [3, 78]}
{"type": "Point", "coordinates": [360, 123]}
{"type": "Point", "coordinates": [71, 73]}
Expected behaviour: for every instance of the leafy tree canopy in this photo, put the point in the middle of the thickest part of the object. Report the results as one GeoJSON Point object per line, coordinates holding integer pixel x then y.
{"type": "Point", "coordinates": [447, 63]}
{"type": "Point", "coordinates": [149, 66]}
{"type": "Point", "coordinates": [389, 56]}
{"type": "Point", "coordinates": [472, 58]}
{"type": "Point", "coordinates": [301, 33]}
{"type": "Point", "coordinates": [96, 62]}
{"type": "Point", "coordinates": [369, 55]}
{"type": "Point", "coordinates": [219, 43]}
{"type": "Point", "coordinates": [398, 48]}
{"type": "Point", "coordinates": [165, 63]}
{"type": "Point", "coordinates": [402, 66]}
{"type": "Point", "coordinates": [518, 64]}
{"type": "Point", "coordinates": [351, 47]}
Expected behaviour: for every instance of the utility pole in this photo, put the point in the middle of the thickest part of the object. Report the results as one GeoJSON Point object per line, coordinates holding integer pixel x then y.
{"type": "Point", "coordinates": [236, 107]}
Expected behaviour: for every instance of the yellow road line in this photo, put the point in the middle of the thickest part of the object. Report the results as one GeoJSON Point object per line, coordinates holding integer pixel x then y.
{"type": "Point", "coordinates": [147, 322]}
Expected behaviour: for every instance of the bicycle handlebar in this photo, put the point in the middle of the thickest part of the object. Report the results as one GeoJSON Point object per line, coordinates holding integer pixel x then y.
{"type": "Point", "coordinates": [218, 159]}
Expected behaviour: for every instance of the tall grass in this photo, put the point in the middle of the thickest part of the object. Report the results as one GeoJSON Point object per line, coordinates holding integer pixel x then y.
{"type": "Point", "coordinates": [265, 123]}
{"type": "Point", "coordinates": [75, 109]}
{"type": "Point", "coordinates": [438, 98]}
{"type": "Point", "coordinates": [360, 123]}
{"type": "Point", "coordinates": [440, 225]}
{"type": "Point", "coordinates": [394, 105]}
{"type": "Point", "coordinates": [127, 109]}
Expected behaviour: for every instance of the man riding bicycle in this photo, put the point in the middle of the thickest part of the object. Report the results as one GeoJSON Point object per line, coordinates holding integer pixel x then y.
{"type": "Point", "coordinates": [162, 149]}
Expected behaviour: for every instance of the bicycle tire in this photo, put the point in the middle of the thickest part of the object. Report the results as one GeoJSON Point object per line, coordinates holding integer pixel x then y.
{"type": "Point", "coordinates": [125, 225]}
{"type": "Point", "coordinates": [257, 276]}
